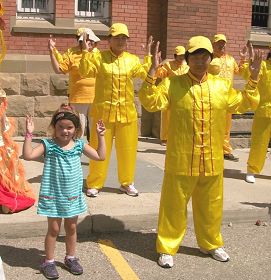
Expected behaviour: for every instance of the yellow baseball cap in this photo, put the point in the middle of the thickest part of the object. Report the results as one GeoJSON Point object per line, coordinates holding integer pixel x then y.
{"type": "Point", "coordinates": [80, 33]}
{"type": "Point", "coordinates": [117, 29]}
{"type": "Point", "coordinates": [180, 50]}
{"type": "Point", "coordinates": [199, 42]}
{"type": "Point", "coordinates": [219, 37]}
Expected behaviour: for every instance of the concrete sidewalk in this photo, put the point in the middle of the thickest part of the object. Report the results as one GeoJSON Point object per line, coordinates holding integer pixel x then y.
{"type": "Point", "coordinates": [113, 211]}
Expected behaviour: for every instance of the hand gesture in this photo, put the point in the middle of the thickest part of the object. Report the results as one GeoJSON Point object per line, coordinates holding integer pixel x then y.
{"type": "Point", "coordinates": [85, 45]}
{"type": "Point", "coordinates": [29, 124]}
{"type": "Point", "coordinates": [255, 64]}
{"type": "Point", "coordinates": [51, 43]}
{"type": "Point", "coordinates": [243, 53]}
{"type": "Point", "coordinates": [100, 128]}
{"type": "Point", "coordinates": [250, 50]}
{"type": "Point", "coordinates": [149, 45]}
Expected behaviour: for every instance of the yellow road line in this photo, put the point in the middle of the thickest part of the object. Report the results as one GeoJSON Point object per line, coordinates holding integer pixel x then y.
{"type": "Point", "coordinates": [117, 260]}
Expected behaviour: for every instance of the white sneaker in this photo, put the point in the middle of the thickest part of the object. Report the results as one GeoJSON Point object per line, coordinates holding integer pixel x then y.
{"type": "Point", "coordinates": [218, 254]}
{"type": "Point", "coordinates": [165, 261]}
{"type": "Point", "coordinates": [130, 190]}
{"type": "Point", "coordinates": [250, 178]}
{"type": "Point", "coordinates": [92, 192]}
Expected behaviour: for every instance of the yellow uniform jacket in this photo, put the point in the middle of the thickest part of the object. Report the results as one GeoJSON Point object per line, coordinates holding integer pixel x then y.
{"type": "Point", "coordinates": [224, 66]}
{"type": "Point", "coordinates": [197, 120]}
{"type": "Point", "coordinates": [114, 90]}
{"type": "Point", "coordinates": [81, 90]}
{"type": "Point", "coordinates": [264, 108]}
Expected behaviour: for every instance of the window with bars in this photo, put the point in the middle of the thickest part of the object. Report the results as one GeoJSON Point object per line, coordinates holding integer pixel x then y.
{"type": "Point", "coordinates": [93, 9]}
{"type": "Point", "coordinates": [260, 13]}
{"type": "Point", "coordinates": [41, 8]}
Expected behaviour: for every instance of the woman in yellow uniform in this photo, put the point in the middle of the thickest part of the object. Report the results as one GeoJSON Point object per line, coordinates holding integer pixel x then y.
{"type": "Point", "coordinates": [225, 66]}
{"type": "Point", "coordinates": [81, 90]}
{"type": "Point", "coordinates": [261, 127]}
{"type": "Point", "coordinates": [198, 104]}
{"type": "Point", "coordinates": [114, 70]}
{"type": "Point", "coordinates": [178, 66]}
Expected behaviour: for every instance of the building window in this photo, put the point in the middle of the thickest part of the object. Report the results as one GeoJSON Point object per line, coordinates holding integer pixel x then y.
{"type": "Point", "coordinates": [93, 10]}
{"type": "Point", "coordinates": [35, 9]}
{"type": "Point", "coordinates": [260, 13]}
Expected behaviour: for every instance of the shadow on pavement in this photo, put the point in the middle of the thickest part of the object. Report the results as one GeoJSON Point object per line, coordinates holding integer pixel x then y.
{"type": "Point", "coordinates": [234, 174]}
{"type": "Point", "coordinates": [141, 243]}
{"type": "Point", "coordinates": [18, 257]}
{"type": "Point", "coordinates": [153, 151]}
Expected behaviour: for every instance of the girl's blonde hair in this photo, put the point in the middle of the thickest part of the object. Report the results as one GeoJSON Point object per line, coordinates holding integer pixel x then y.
{"type": "Point", "coordinates": [66, 112]}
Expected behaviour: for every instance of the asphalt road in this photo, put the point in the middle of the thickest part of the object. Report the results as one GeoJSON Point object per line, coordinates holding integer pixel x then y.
{"type": "Point", "coordinates": [248, 245]}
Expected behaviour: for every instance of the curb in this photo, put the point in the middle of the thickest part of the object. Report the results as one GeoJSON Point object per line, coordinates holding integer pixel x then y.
{"type": "Point", "coordinates": [100, 223]}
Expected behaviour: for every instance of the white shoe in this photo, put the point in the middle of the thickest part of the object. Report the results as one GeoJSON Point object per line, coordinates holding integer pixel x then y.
{"type": "Point", "coordinates": [165, 261]}
{"type": "Point", "coordinates": [218, 254]}
{"type": "Point", "coordinates": [92, 192]}
{"type": "Point", "coordinates": [250, 178]}
{"type": "Point", "coordinates": [130, 190]}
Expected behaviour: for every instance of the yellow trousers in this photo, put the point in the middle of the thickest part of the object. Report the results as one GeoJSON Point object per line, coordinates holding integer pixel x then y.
{"type": "Point", "coordinates": [260, 137]}
{"type": "Point", "coordinates": [227, 146]}
{"type": "Point", "coordinates": [207, 201]}
{"type": "Point", "coordinates": [164, 124]}
{"type": "Point", "coordinates": [126, 137]}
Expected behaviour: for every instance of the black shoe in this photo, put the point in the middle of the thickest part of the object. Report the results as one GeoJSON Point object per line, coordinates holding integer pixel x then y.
{"type": "Point", "coordinates": [231, 157]}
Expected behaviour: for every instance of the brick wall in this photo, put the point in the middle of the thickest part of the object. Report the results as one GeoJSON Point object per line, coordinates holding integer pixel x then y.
{"type": "Point", "coordinates": [64, 9]}
{"type": "Point", "coordinates": [186, 19]}
{"type": "Point", "coordinates": [234, 20]}
{"type": "Point", "coordinates": [134, 14]}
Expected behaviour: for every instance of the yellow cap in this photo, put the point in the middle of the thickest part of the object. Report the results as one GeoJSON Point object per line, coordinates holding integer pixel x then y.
{"type": "Point", "coordinates": [179, 50]}
{"type": "Point", "coordinates": [117, 29]}
{"type": "Point", "coordinates": [219, 37]}
{"type": "Point", "coordinates": [199, 42]}
{"type": "Point", "coordinates": [80, 32]}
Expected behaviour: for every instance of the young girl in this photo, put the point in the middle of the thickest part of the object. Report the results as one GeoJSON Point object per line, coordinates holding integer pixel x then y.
{"type": "Point", "coordinates": [62, 181]}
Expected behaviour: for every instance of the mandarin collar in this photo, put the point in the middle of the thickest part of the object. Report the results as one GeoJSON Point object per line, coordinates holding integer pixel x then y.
{"type": "Point", "coordinates": [204, 78]}
{"type": "Point", "coordinates": [117, 56]}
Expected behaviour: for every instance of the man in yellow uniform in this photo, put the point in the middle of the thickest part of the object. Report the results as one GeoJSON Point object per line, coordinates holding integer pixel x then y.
{"type": "Point", "coordinates": [225, 66]}
{"type": "Point", "coordinates": [114, 70]}
{"type": "Point", "coordinates": [178, 66]}
{"type": "Point", "coordinates": [198, 104]}
{"type": "Point", "coordinates": [261, 127]}
{"type": "Point", "coordinates": [81, 90]}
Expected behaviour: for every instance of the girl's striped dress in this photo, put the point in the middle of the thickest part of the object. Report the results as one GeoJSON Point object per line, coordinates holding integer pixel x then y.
{"type": "Point", "coordinates": [62, 181]}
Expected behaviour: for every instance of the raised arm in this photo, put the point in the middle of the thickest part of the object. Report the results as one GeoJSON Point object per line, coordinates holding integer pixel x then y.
{"type": "Point", "coordinates": [100, 153]}
{"type": "Point", "coordinates": [55, 56]}
{"type": "Point", "coordinates": [30, 153]}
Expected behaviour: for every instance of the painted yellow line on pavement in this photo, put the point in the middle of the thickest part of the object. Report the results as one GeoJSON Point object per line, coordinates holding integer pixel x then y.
{"type": "Point", "coordinates": [117, 260]}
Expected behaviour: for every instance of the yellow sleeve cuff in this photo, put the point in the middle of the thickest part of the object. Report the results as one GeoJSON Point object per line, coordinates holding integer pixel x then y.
{"type": "Point", "coordinates": [150, 80]}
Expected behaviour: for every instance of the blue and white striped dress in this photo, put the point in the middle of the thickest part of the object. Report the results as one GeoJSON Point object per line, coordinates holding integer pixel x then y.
{"type": "Point", "coordinates": [62, 181]}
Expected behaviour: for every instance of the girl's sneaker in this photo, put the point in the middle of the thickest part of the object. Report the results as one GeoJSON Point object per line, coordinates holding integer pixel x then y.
{"type": "Point", "coordinates": [73, 266]}
{"type": "Point", "coordinates": [49, 270]}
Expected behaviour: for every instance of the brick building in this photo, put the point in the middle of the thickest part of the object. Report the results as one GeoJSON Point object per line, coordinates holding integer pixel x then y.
{"type": "Point", "coordinates": [26, 73]}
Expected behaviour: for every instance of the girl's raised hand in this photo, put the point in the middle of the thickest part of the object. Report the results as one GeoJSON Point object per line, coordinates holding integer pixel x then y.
{"type": "Point", "coordinates": [100, 128]}
{"type": "Point", "coordinates": [29, 124]}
